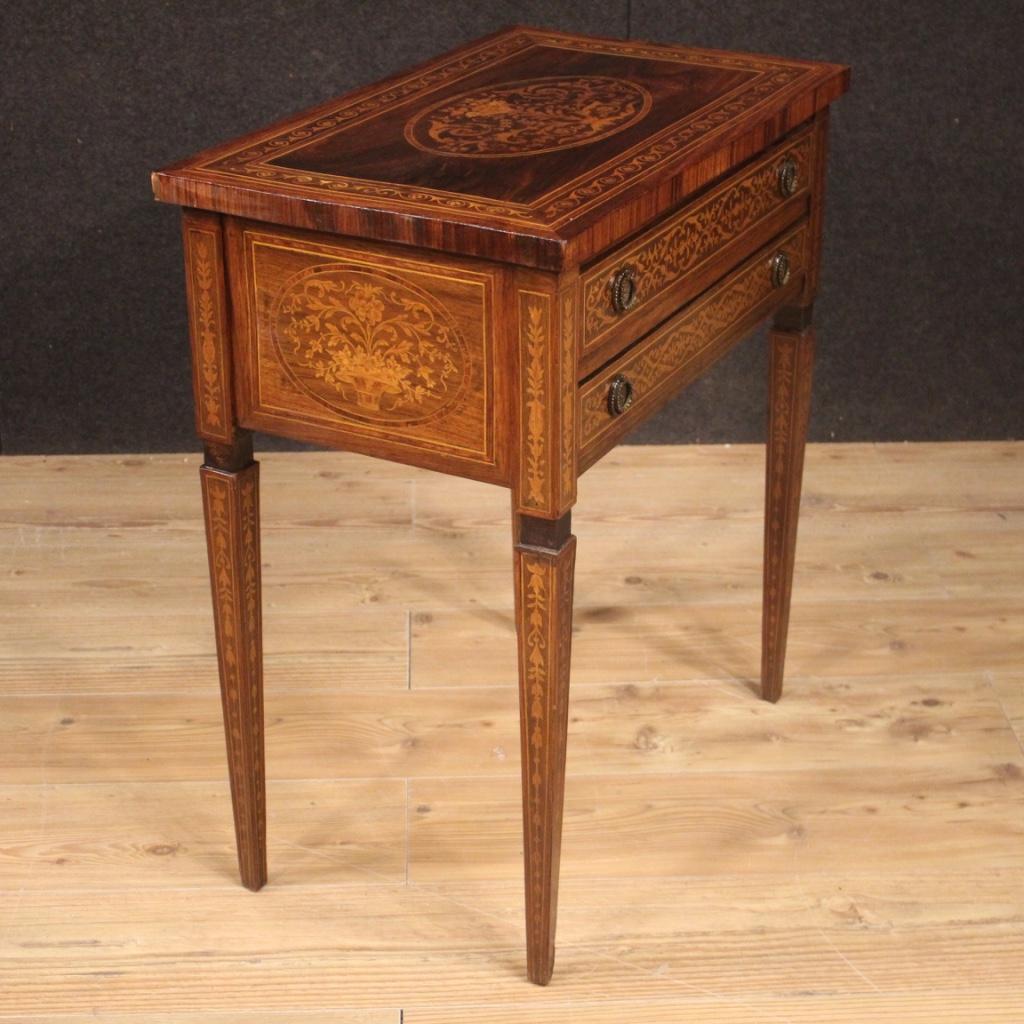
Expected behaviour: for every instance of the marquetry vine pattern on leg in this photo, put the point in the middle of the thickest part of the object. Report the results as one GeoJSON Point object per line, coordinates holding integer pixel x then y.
{"type": "Point", "coordinates": [536, 399]}
{"type": "Point", "coordinates": [547, 351]}
{"type": "Point", "coordinates": [207, 297]}
{"type": "Point", "coordinates": [790, 371]}
{"type": "Point", "coordinates": [209, 363]}
{"type": "Point", "coordinates": [231, 505]}
{"type": "Point", "coordinates": [544, 595]}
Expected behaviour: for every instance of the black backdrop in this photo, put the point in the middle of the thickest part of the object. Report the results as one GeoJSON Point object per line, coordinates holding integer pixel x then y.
{"type": "Point", "coordinates": [919, 332]}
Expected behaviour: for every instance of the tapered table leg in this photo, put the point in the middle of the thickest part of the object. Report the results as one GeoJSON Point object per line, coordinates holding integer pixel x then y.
{"type": "Point", "coordinates": [230, 482]}
{"type": "Point", "coordinates": [791, 362]}
{"type": "Point", "coordinates": [545, 554]}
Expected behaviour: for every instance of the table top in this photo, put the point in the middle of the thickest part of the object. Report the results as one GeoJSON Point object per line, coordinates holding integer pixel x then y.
{"type": "Point", "coordinates": [529, 146]}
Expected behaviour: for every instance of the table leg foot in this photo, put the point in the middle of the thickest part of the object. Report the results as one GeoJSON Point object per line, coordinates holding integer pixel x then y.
{"type": "Point", "coordinates": [545, 554]}
{"type": "Point", "coordinates": [791, 363]}
{"type": "Point", "coordinates": [231, 509]}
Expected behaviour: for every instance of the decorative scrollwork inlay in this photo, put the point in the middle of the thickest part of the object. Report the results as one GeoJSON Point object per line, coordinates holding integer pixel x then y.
{"type": "Point", "coordinates": [265, 158]}
{"type": "Point", "coordinates": [537, 115]}
{"type": "Point", "coordinates": [368, 344]}
{"type": "Point", "coordinates": [686, 340]}
{"type": "Point", "coordinates": [207, 326]}
{"type": "Point", "coordinates": [663, 259]}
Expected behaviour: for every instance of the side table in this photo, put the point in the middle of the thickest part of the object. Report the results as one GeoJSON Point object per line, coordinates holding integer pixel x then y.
{"type": "Point", "coordinates": [495, 266]}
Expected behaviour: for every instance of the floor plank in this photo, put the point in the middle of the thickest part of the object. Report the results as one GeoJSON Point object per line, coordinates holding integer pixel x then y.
{"type": "Point", "coordinates": [338, 1015]}
{"type": "Point", "coordinates": [635, 728]}
{"type": "Point", "coordinates": [168, 835]}
{"type": "Point", "coordinates": [334, 1015]}
{"type": "Point", "coordinates": [693, 823]}
{"type": "Point", "coordinates": [973, 1007]}
{"type": "Point", "coordinates": [654, 643]}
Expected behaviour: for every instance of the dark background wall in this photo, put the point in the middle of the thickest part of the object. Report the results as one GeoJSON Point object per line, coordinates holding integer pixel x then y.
{"type": "Point", "coordinates": [919, 332]}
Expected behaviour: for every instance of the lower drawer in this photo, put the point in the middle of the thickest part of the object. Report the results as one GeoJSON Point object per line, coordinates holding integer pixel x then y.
{"type": "Point", "coordinates": [630, 388]}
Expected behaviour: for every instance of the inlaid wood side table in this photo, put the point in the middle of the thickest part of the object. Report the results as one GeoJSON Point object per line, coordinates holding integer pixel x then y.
{"type": "Point", "coordinates": [495, 266]}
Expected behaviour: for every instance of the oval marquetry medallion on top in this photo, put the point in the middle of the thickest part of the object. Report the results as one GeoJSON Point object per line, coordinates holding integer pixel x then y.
{"type": "Point", "coordinates": [536, 115]}
{"type": "Point", "coordinates": [368, 344]}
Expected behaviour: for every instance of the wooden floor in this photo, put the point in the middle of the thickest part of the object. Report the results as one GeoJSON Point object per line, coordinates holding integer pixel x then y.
{"type": "Point", "coordinates": [855, 853]}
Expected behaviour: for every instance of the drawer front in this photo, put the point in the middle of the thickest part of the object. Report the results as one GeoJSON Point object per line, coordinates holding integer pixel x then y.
{"type": "Point", "coordinates": [627, 391]}
{"type": "Point", "coordinates": [662, 268]}
{"type": "Point", "coordinates": [359, 347]}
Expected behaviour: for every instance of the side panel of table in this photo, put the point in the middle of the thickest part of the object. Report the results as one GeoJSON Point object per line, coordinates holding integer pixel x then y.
{"type": "Point", "coordinates": [377, 349]}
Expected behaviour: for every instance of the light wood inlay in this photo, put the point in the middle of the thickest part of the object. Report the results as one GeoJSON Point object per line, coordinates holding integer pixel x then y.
{"type": "Point", "coordinates": [206, 288]}
{"type": "Point", "coordinates": [663, 258]}
{"type": "Point", "coordinates": [547, 339]}
{"type": "Point", "coordinates": [539, 115]}
{"type": "Point", "coordinates": [472, 154]}
{"type": "Point", "coordinates": [544, 598]}
{"type": "Point", "coordinates": [367, 348]}
{"type": "Point", "coordinates": [231, 508]}
{"type": "Point", "coordinates": [686, 345]}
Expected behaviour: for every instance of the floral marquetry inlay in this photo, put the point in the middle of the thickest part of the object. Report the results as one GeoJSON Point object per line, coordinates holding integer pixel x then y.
{"type": "Point", "coordinates": [535, 462]}
{"type": "Point", "coordinates": [208, 327]}
{"type": "Point", "coordinates": [369, 344]}
{"type": "Point", "coordinates": [528, 117]}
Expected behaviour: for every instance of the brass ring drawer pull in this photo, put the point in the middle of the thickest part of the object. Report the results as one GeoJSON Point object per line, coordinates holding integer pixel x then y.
{"type": "Point", "coordinates": [620, 394]}
{"type": "Point", "coordinates": [624, 289]}
{"type": "Point", "coordinates": [780, 270]}
{"type": "Point", "coordinates": [789, 178]}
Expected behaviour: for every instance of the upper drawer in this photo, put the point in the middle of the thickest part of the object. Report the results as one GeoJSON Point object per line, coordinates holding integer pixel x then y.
{"type": "Point", "coordinates": [638, 285]}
